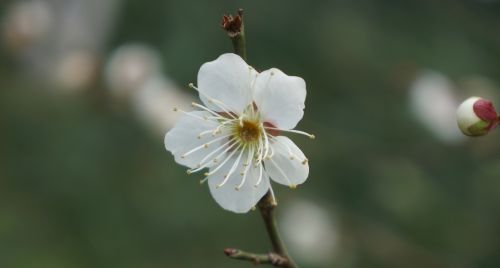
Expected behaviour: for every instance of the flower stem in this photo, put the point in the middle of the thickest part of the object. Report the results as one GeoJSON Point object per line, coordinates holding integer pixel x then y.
{"type": "Point", "coordinates": [278, 257]}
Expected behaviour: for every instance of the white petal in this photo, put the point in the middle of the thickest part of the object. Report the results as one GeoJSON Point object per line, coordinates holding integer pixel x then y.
{"type": "Point", "coordinates": [280, 98]}
{"type": "Point", "coordinates": [244, 199]}
{"type": "Point", "coordinates": [227, 79]}
{"type": "Point", "coordinates": [184, 137]}
{"type": "Point", "coordinates": [288, 165]}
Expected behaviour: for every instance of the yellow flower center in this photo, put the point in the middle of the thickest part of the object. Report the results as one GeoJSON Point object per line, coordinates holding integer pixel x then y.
{"type": "Point", "coordinates": [248, 131]}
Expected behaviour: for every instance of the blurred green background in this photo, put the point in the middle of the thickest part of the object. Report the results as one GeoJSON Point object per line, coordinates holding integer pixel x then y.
{"type": "Point", "coordinates": [85, 180]}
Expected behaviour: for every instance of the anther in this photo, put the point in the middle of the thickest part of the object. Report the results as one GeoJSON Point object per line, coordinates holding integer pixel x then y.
{"type": "Point", "coordinates": [174, 109]}
{"type": "Point", "coordinates": [205, 145]}
{"type": "Point", "coordinates": [189, 171]}
{"type": "Point", "coordinates": [293, 186]}
{"type": "Point", "coordinates": [305, 161]}
{"type": "Point", "coordinates": [312, 136]}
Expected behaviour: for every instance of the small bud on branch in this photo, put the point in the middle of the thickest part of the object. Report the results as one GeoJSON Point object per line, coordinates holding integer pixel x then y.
{"type": "Point", "coordinates": [476, 117]}
{"type": "Point", "coordinates": [235, 29]}
{"type": "Point", "coordinates": [233, 25]}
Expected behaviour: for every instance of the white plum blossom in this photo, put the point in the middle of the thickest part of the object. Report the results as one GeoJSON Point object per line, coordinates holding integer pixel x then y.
{"type": "Point", "coordinates": [236, 133]}
{"type": "Point", "coordinates": [434, 103]}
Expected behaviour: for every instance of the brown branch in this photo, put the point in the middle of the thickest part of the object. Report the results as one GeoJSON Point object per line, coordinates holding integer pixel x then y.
{"type": "Point", "coordinates": [279, 256]}
{"type": "Point", "coordinates": [271, 258]}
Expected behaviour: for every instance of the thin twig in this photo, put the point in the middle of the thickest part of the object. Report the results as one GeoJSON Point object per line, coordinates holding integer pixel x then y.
{"type": "Point", "coordinates": [278, 257]}
{"type": "Point", "coordinates": [271, 258]}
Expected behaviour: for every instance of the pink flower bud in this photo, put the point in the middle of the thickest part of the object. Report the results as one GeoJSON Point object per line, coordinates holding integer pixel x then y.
{"type": "Point", "coordinates": [476, 116]}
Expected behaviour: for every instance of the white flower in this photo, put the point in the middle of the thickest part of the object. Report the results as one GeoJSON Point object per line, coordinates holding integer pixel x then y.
{"type": "Point", "coordinates": [316, 245]}
{"type": "Point", "coordinates": [26, 23]}
{"type": "Point", "coordinates": [129, 67]}
{"type": "Point", "coordinates": [152, 103]}
{"type": "Point", "coordinates": [433, 103]}
{"type": "Point", "coordinates": [236, 133]}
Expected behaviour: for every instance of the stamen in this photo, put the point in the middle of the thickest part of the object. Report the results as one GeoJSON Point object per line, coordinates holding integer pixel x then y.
{"type": "Point", "coordinates": [252, 107]}
{"type": "Point", "coordinates": [245, 171]}
{"type": "Point", "coordinates": [266, 145]}
{"type": "Point", "coordinates": [233, 167]}
{"type": "Point", "coordinates": [214, 131]}
{"type": "Point", "coordinates": [190, 114]}
{"type": "Point", "coordinates": [222, 125]}
{"type": "Point", "coordinates": [205, 132]}
{"type": "Point", "coordinates": [260, 176]}
{"type": "Point", "coordinates": [292, 131]}
{"type": "Point", "coordinates": [218, 103]}
{"type": "Point", "coordinates": [260, 152]}
{"type": "Point", "coordinates": [216, 115]}
{"type": "Point", "coordinates": [274, 202]}
{"type": "Point", "coordinates": [202, 163]}
{"type": "Point", "coordinates": [205, 145]}
{"type": "Point", "coordinates": [223, 162]}
{"type": "Point", "coordinates": [215, 160]}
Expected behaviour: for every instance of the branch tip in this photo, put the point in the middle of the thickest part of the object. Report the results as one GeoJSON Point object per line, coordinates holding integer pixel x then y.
{"type": "Point", "coordinates": [230, 251]}
{"type": "Point", "coordinates": [233, 24]}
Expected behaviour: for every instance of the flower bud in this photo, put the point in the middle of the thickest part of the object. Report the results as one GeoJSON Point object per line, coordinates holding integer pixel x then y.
{"type": "Point", "coordinates": [476, 116]}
